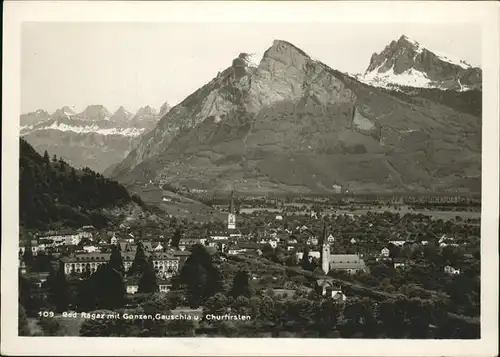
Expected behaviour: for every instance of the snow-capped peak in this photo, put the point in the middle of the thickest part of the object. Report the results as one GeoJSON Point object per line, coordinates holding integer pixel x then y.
{"type": "Point", "coordinates": [407, 63]}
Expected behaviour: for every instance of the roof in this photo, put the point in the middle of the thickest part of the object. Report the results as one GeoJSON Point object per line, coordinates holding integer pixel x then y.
{"type": "Point", "coordinates": [358, 265]}
{"type": "Point", "coordinates": [249, 245]}
{"type": "Point", "coordinates": [89, 257]}
{"type": "Point", "coordinates": [282, 292]}
{"type": "Point", "coordinates": [163, 256]}
{"type": "Point", "coordinates": [328, 283]}
{"type": "Point", "coordinates": [211, 250]}
{"type": "Point", "coordinates": [179, 253]}
{"type": "Point", "coordinates": [345, 258]}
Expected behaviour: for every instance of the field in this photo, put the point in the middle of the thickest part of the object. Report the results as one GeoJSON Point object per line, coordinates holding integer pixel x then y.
{"type": "Point", "coordinates": [177, 205]}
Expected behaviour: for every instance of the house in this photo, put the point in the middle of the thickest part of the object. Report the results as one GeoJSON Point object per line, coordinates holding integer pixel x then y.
{"type": "Point", "coordinates": [451, 270]}
{"type": "Point", "coordinates": [312, 254]}
{"type": "Point", "coordinates": [148, 247]}
{"type": "Point", "coordinates": [181, 255]}
{"type": "Point", "coordinates": [398, 243]}
{"type": "Point", "coordinates": [284, 293]}
{"type": "Point", "coordinates": [399, 263]}
{"type": "Point", "coordinates": [22, 267]}
{"type": "Point", "coordinates": [164, 286]}
{"type": "Point", "coordinates": [212, 243]}
{"type": "Point", "coordinates": [273, 243]}
{"type": "Point", "coordinates": [232, 236]}
{"type": "Point", "coordinates": [279, 218]}
{"type": "Point", "coordinates": [158, 248]}
{"type": "Point", "coordinates": [113, 240]}
{"type": "Point", "coordinates": [125, 247]}
{"type": "Point", "coordinates": [312, 241]}
{"type": "Point", "coordinates": [186, 243]}
{"type": "Point", "coordinates": [331, 239]}
{"type": "Point", "coordinates": [132, 286]}
{"type": "Point", "coordinates": [235, 250]}
{"type": "Point", "coordinates": [292, 241]}
{"type": "Point", "coordinates": [219, 236]}
{"type": "Point", "coordinates": [384, 253]}
{"type": "Point", "coordinates": [91, 249]}
{"type": "Point", "coordinates": [327, 288]}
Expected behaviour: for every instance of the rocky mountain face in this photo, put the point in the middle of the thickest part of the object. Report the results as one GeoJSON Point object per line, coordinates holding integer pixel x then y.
{"type": "Point", "coordinates": [293, 124]}
{"type": "Point", "coordinates": [406, 63]}
{"type": "Point", "coordinates": [95, 138]}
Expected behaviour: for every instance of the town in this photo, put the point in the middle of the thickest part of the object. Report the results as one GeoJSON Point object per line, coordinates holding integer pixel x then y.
{"type": "Point", "coordinates": [333, 269]}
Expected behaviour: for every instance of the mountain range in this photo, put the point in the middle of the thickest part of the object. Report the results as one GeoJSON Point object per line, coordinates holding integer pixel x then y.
{"type": "Point", "coordinates": [410, 123]}
{"type": "Point", "coordinates": [94, 138]}
{"type": "Point", "coordinates": [293, 124]}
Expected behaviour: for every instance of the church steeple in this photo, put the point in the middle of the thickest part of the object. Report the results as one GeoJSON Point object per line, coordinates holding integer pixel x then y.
{"type": "Point", "coordinates": [325, 250]}
{"type": "Point", "coordinates": [231, 203]}
{"type": "Point", "coordinates": [324, 239]}
{"type": "Point", "coordinates": [231, 218]}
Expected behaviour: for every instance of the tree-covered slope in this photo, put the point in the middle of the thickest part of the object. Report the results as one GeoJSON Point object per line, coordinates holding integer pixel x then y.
{"type": "Point", "coordinates": [53, 194]}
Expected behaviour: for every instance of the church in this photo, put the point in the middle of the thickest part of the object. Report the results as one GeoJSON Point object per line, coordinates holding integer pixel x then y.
{"type": "Point", "coordinates": [350, 263]}
{"type": "Point", "coordinates": [231, 217]}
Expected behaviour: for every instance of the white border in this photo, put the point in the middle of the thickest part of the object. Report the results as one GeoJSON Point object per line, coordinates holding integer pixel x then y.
{"type": "Point", "coordinates": [484, 13]}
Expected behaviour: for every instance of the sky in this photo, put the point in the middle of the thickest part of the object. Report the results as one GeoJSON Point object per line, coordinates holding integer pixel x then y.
{"type": "Point", "coordinates": [138, 64]}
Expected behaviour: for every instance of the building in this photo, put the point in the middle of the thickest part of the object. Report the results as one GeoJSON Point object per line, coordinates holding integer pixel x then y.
{"type": "Point", "coordinates": [451, 270]}
{"type": "Point", "coordinates": [399, 263]}
{"type": "Point", "coordinates": [231, 218]}
{"type": "Point", "coordinates": [327, 288]}
{"type": "Point", "coordinates": [312, 241]}
{"type": "Point", "coordinates": [158, 248]}
{"type": "Point", "coordinates": [312, 254]}
{"type": "Point", "coordinates": [350, 263]}
{"type": "Point", "coordinates": [165, 265]}
{"type": "Point", "coordinates": [132, 285]}
{"type": "Point", "coordinates": [91, 249]}
{"type": "Point", "coordinates": [80, 263]}
{"type": "Point", "coordinates": [164, 286]}
{"type": "Point", "coordinates": [384, 253]}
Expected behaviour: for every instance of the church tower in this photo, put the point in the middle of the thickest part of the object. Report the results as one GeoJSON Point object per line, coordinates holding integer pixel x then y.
{"type": "Point", "coordinates": [231, 218]}
{"type": "Point", "coordinates": [325, 251]}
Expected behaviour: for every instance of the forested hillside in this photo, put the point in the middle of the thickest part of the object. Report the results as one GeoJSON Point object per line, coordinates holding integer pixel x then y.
{"type": "Point", "coordinates": [53, 194]}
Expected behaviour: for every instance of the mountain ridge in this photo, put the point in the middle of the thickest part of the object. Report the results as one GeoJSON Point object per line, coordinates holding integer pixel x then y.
{"type": "Point", "coordinates": [94, 137]}
{"type": "Point", "coordinates": [53, 194]}
{"type": "Point", "coordinates": [295, 124]}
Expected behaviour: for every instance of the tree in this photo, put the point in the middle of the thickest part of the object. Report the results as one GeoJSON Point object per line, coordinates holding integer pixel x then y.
{"type": "Point", "coordinates": [50, 326]}
{"type": "Point", "coordinates": [139, 261]}
{"type": "Point", "coordinates": [147, 283]}
{"type": "Point", "coordinates": [200, 276]}
{"type": "Point", "coordinates": [174, 243]}
{"type": "Point", "coordinates": [116, 260]}
{"type": "Point", "coordinates": [241, 285]}
{"type": "Point", "coordinates": [58, 289]}
{"type": "Point", "coordinates": [28, 256]}
{"type": "Point", "coordinates": [54, 158]}
{"type": "Point", "coordinates": [305, 262]}
{"type": "Point", "coordinates": [105, 290]}
{"type": "Point", "coordinates": [46, 158]}
{"type": "Point", "coordinates": [22, 322]}
{"type": "Point", "coordinates": [98, 327]}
